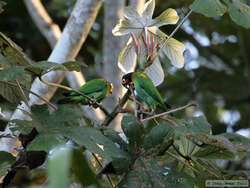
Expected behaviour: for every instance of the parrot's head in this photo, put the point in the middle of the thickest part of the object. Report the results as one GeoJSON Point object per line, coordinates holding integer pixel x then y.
{"type": "Point", "coordinates": [127, 80]}
{"type": "Point", "coordinates": [110, 88]}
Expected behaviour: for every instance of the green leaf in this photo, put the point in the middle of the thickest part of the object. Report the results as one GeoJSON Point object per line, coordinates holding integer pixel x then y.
{"type": "Point", "coordinates": [186, 147]}
{"type": "Point", "coordinates": [43, 67]}
{"type": "Point", "coordinates": [63, 161]}
{"type": "Point", "coordinates": [6, 160]}
{"type": "Point", "coordinates": [94, 141]}
{"type": "Point", "coordinates": [117, 166]}
{"type": "Point", "coordinates": [82, 170]}
{"type": "Point", "coordinates": [10, 91]}
{"type": "Point", "coordinates": [12, 73]}
{"type": "Point", "coordinates": [45, 121]}
{"type": "Point", "coordinates": [236, 138]}
{"type": "Point", "coordinates": [169, 16]}
{"type": "Point", "coordinates": [193, 125]}
{"type": "Point", "coordinates": [74, 65]}
{"type": "Point", "coordinates": [239, 13]}
{"type": "Point", "coordinates": [157, 135]}
{"type": "Point", "coordinates": [11, 52]}
{"type": "Point", "coordinates": [46, 142]}
{"type": "Point", "coordinates": [11, 60]}
{"type": "Point", "coordinates": [209, 8]}
{"type": "Point", "coordinates": [241, 143]}
{"type": "Point", "coordinates": [134, 131]}
{"type": "Point", "coordinates": [59, 168]}
{"type": "Point", "coordinates": [147, 172]}
{"type": "Point", "coordinates": [212, 147]}
{"type": "Point", "coordinates": [115, 137]}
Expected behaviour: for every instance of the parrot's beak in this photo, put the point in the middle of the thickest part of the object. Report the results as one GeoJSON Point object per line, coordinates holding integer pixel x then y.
{"type": "Point", "coordinates": [111, 88]}
{"type": "Point", "coordinates": [125, 83]}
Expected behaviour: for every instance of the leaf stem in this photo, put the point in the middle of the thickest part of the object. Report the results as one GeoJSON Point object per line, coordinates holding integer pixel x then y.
{"type": "Point", "coordinates": [180, 24]}
{"type": "Point", "coordinates": [100, 164]}
{"type": "Point", "coordinates": [23, 94]}
{"type": "Point", "coordinates": [170, 111]}
{"type": "Point", "coordinates": [33, 93]}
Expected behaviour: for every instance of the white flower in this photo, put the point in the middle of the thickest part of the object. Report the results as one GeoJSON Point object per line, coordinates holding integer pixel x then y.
{"type": "Point", "coordinates": [141, 25]}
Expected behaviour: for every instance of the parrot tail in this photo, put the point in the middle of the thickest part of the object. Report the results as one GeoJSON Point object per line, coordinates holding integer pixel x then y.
{"type": "Point", "coordinates": [168, 107]}
{"type": "Point", "coordinates": [165, 106]}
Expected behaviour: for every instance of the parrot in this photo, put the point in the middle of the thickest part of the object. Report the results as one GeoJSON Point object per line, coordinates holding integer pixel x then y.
{"type": "Point", "coordinates": [97, 89]}
{"type": "Point", "coordinates": [144, 89]}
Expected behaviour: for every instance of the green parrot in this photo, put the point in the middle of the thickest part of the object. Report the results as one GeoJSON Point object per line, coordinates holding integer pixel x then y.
{"type": "Point", "coordinates": [144, 89]}
{"type": "Point", "coordinates": [97, 89]}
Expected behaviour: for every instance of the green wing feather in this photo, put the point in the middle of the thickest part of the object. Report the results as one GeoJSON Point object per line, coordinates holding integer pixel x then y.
{"type": "Point", "coordinates": [96, 89]}
{"type": "Point", "coordinates": [146, 90]}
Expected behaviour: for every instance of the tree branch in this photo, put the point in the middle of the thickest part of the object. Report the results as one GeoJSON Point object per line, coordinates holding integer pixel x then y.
{"type": "Point", "coordinates": [116, 110]}
{"type": "Point", "coordinates": [43, 21]}
{"type": "Point", "coordinates": [113, 10]}
{"type": "Point", "coordinates": [67, 47]}
{"type": "Point", "coordinates": [169, 112]}
{"type": "Point", "coordinates": [52, 33]}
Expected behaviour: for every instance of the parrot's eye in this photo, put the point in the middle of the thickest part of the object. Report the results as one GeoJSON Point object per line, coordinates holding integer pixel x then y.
{"type": "Point", "coordinates": [124, 81]}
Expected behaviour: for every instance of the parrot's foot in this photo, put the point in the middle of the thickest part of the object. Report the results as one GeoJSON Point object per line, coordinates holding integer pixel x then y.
{"type": "Point", "coordinates": [143, 113]}
{"type": "Point", "coordinates": [93, 103]}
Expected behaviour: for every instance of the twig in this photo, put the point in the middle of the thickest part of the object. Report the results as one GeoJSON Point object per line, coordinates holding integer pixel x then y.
{"type": "Point", "coordinates": [180, 24]}
{"type": "Point", "coordinates": [23, 94]}
{"type": "Point", "coordinates": [177, 28]}
{"type": "Point", "coordinates": [100, 164]}
{"type": "Point", "coordinates": [177, 158]}
{"type": "Point", "coordinates": [33, 93]}
{"type": "Point", "coordinates": [169, 112]}
{"type": "Point", "coordinates": [173, 124]}
{"type": "Point", "coordinates": [116, 110]}
{"type": "Point", "coordinates": [93, 101]}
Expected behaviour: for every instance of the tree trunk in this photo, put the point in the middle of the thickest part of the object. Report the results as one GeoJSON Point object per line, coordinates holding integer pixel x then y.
{"type": "Point", "coordinates": [113, 10]}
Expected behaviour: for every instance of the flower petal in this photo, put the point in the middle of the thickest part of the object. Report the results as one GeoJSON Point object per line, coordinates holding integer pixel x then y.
{"type": "Point", "coordinates": [155, 72]}
{"type": "Point", "coordinates": [170, 47]}
{"type": "Point", "coordinates": [130, 13]}
{"type": "Point", "coordinates": [169, 16]}
{"type": "Point", "coordinates": [124, 27]}
{"type": "Point", "coordinates": [174, 49]}
{"type": "Point", "coordinates": [127, 58]}
{"type": "Point", "coordinates": [148, 10]}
